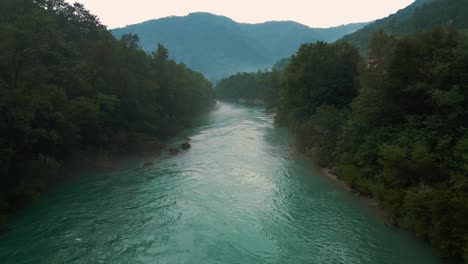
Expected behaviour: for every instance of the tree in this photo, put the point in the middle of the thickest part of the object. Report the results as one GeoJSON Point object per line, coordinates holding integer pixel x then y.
{"type": "Point", "coordinates": [69, 90]}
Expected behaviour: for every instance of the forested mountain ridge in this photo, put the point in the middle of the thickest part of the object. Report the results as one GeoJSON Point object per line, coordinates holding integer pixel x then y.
{"type": "Point", "coordinates": [70, 93]}
{"type": "Point", "coordinates": [218, 46]}
{"type": "Point", "coordinates": [418, 17]}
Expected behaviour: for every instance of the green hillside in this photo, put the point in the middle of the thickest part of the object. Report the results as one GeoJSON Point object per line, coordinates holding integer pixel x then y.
{"type": "Point", "coordinates": [418, 17]}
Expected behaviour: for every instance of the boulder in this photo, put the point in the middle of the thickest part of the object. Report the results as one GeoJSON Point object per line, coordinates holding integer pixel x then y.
{"type": "Point", "coordinates": [185, 146]}
{"type": "Point", "coordinates": [148, 164]}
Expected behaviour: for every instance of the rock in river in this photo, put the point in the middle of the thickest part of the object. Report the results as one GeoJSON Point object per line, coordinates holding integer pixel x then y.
{"type": "Point", "coordinates": [185, 146]}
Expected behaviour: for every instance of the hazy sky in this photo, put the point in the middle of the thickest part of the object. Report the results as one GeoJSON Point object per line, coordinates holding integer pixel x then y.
{"type": "Point", "coordinates": [314, 13]}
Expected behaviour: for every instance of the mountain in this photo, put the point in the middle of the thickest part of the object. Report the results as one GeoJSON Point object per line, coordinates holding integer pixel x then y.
{"type": "Point", "coordinates": [422, 15]}
{"type": "Point", "coordinates": [218, 46]}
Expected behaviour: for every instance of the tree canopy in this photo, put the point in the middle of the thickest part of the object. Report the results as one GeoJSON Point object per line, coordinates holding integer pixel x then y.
{"type": "Point", "coordinates": [70, 91]}
{"type": "Point", "coordinates": [392, 126]}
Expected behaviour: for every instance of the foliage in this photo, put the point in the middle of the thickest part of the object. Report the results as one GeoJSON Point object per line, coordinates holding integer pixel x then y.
{"type": "Point", "coordinates": [392, 127]}
{"type": "Point", "coordinates": [69, 89]}
{"type": "Point", "coordinates": [420, 16]}
{"type": "Point", "coordinates": [259, 86]}
{"type": "Point", "coordinates": [320, 74]}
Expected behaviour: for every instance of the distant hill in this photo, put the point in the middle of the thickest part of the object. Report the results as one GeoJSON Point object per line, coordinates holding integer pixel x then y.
{"type": "Point", "coordinates": [218, 46]}
{"type": "Point", "coordinates": [418, 17]}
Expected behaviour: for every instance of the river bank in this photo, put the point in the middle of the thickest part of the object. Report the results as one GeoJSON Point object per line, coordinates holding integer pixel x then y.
{"type": "Point", "coordinates": [241, 194]}
{"type": "Point", "coordinates": [143, 148]}
{"type": "Point", "coordinates": [370, 202]}
{"type": "Point", "coordinates": [81, 163]}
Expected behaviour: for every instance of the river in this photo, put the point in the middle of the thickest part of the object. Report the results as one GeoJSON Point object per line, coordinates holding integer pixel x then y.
{"type": "Point", "coordinates": [240, 195]}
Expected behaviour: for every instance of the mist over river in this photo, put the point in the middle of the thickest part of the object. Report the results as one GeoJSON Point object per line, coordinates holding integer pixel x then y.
{"type": "Point", "coordinates": [241, 194]}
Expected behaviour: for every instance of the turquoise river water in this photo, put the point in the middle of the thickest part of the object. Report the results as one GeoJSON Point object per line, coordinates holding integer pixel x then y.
{"type": "Point", "coordinates": [240, 195]}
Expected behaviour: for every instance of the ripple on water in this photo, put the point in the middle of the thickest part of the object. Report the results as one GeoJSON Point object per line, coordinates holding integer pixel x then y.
{"type": "Point", "coordinates": [240, 195]}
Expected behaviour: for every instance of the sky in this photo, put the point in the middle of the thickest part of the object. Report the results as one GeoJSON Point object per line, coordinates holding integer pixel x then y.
{"type": "Point", "coordinates": [314, 13]}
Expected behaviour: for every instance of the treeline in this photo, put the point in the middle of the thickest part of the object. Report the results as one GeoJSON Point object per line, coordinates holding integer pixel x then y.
{"type": "Point", "coordinates": [70, 92]}
{"type": "Point", "coordinates": [250, 87]}
{"type": "Point", "coordinates": [393, 126]}
{"type": "Point", "coordinates": [420, 16]}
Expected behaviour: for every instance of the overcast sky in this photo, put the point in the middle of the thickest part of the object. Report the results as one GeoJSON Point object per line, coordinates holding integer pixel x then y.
{"type": "Point", "coordinates": [314, 13]}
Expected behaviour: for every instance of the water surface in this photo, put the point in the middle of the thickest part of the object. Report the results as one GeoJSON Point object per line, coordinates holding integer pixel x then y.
{"type": "Point", "coordinates": [240, 195]}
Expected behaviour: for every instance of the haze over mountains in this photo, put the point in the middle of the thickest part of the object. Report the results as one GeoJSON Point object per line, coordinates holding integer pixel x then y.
{"type": "Point", "coordinates": [217, 46]}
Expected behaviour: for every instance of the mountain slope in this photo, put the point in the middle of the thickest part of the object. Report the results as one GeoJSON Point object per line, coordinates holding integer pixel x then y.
{"type": "Point", "coordinates": [218, 46]}
{"type": "Point", "coordinates": [418, 17]}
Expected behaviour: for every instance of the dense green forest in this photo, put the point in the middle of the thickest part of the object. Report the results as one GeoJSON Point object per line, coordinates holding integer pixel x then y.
{"type": "Point", "coordinates": [70, 93]}
{"type": "Point", "coordinates": [422, 15]}
{"type": "Point", "coordinates": [251, 87]}
{"type": "Point", "coordinates": [392, 126]}
{"type": "Point", "coordinates": [218, 46]}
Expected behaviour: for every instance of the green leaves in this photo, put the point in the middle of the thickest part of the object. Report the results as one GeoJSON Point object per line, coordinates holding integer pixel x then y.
{"type": "Point", "coordinates": [320, 74]}
{"type": "Point", "coordinates": [161, 55]}
{"type": "Point", "coordinates": [246, 86]}
{"type": "Point", "coordinates": [68, 89]}
{"type": "Point", "coordinates": [398, 133]}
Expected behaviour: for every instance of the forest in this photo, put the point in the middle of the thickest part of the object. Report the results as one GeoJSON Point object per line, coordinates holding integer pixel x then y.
{"type": "Point", "coordinates": [250, 87]}
{"type": "Point", "coordinates": [420, 16]}
{"type": "Point", "coordinates": [391, 125]}
{"type": "Point", "coordinates": [72, 96]}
